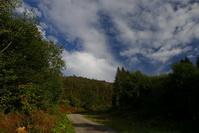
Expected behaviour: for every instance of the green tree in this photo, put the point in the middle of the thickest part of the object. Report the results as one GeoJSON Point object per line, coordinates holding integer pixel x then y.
{"type": "Point", "coordinates": [117, 88]}
{"type": "Point", "coordinates": [183, 89]}
{"type": "Point", "coordinates": [27, 58]}
{"type": "Point", "coordinates": [130, 89]}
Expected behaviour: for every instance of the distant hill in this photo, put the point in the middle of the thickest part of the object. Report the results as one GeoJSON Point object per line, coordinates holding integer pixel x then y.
{"type": "Point", "coordinates": [87, 93]}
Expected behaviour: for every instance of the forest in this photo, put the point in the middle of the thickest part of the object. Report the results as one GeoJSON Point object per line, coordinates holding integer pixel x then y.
{"type": "Point", "coordinates": [32, 85]}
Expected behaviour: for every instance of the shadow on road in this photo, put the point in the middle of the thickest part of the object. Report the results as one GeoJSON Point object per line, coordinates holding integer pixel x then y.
{"type": "Point", "coordinates": [93, 127]}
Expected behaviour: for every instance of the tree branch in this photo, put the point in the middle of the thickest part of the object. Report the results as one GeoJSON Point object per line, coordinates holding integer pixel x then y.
{"type": "Point", "coordinates": [6, 47]}
{"type": "Point", "coordinates": [11, 42]}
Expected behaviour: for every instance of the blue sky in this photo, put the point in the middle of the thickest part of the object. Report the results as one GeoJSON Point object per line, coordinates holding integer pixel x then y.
{"type": "Point", "coordinates": [100, 35]}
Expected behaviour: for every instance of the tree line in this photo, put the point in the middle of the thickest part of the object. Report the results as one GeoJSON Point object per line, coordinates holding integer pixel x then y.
{"type": "Point", "coordinates": [172, 96]}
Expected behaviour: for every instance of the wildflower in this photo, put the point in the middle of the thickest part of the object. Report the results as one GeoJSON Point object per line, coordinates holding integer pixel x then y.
{"type": "Point", "coordinates": [19, 96]}
{"type": "Point", "coordinates": [29, 83]}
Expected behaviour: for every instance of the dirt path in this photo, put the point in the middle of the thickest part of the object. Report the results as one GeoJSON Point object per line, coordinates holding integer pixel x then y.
{"type": "Point", "coordinates": [83, 125]}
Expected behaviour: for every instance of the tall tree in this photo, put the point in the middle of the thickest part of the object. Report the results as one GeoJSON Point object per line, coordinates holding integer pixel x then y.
{"type": "Point", "coordinates": [26, 58]}
{"type": "Point", "coordinates": [117, 88]}
{"type": "Point", "coordinates": [183, 88]}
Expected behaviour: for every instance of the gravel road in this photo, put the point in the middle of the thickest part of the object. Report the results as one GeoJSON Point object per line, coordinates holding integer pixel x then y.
{"type": "Point", "coordinates": [83, 125]}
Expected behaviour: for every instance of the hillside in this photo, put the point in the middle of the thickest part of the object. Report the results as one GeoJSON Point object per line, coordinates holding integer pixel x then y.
{"type": "Point", "coordinates": [87, 93]}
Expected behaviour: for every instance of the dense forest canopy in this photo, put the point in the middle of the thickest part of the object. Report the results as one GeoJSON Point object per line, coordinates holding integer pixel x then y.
{"type": "Point", "coordinates": [30, 67]}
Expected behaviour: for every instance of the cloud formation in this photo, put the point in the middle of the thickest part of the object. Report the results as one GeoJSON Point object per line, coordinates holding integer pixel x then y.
{"type": "Point", "coordinates": [146, 31]}
{"type": "Point", "coordinates": [156, 29]}
{"type": "Point", "coordinates": [79, 19]}
{"type": "Point", "coordinates": [86, 65]}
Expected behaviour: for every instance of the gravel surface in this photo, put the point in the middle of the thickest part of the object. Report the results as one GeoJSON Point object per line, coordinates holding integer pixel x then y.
{"type": "Point", "coordinates": [83, 125]}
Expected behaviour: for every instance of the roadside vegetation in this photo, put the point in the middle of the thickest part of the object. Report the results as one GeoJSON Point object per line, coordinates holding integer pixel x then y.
{"type": "Point", "coordinates": [30, 75]}
{"type": "Point", "coordinates": [37, 122]}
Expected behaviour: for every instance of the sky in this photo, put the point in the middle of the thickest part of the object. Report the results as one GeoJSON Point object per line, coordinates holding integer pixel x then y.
{"type": "Point", "coordinates": [100, 35]}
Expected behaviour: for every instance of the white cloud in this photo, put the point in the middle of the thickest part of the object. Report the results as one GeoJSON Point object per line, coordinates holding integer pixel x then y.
{"type": "Point", "coordinates": [78, 19]}
{"type": "Point", "coordinates": [86, 65]}
{"type": "Point", "coordinates": [164, 55]}
{"type": "Point", "coordinates": [155, 25]}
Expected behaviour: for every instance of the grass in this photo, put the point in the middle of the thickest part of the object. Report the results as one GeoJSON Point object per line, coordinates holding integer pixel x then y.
{"type": "Point", "coordinates": [64, 125]}
{"type": "Point", "coordinates": [38, 122]}
{"type": "Point", "coordinates": [129, 124]}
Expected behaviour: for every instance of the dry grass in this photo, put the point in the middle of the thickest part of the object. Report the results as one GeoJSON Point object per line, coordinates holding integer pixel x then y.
{"type": "Point", "coordinates": [38, 121]}
{"type": "Point", "coordinates": [68, 110]}
{"type": "Point", "coordinates": [64, 109]}
{"type": "Point", "coordinates": [10, 122]}
{"type": "Point", "coordinates": [44, 121]}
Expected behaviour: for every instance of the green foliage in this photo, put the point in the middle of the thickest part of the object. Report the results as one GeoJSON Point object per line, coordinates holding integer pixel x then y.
{"type": "Point", "coordinates": [25, 57]}
{"type": "Point", "coordinates": [184, 89]}
{"type": "Point", "coordinates": [86, 93]}
{"type": "Point", "coordinates": [130, 89]}
{"type": "Point", "coordinates": [29, 97]}
{"type": "Point", "coordinates": [64, 126]}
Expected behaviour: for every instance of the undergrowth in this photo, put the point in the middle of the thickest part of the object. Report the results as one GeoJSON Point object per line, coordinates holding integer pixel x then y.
{"type": "Point", "coordinates": [38, 122]}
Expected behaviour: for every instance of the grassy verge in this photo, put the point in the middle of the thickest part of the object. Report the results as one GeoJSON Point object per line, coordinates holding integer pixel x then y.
{"type": "Point", "coordinates": [128, 124]}
{"type": "Point", "coordinates": [38, 122]}
{"type": "Point", "coordinates": [64, 126]}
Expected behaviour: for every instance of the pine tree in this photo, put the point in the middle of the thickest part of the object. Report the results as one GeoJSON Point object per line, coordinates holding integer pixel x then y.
{"type": "Point", "coordinates": [117, 88]}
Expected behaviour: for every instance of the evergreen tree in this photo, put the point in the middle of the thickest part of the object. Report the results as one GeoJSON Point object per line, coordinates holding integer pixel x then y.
{"type": "Point", "coordinates": [117, 88]}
